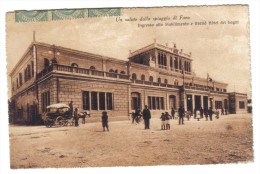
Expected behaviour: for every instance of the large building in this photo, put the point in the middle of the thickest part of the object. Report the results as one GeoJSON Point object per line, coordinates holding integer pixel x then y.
{"type": "Point", "coordinates": [156, 75]}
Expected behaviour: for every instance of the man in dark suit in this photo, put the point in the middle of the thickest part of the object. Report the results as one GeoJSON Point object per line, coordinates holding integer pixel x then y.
{"type": "Point", "coordinates": [181, 114]}
{"type": "Point", "coordinates": [147, 117]}
{"type": "Point", "coordinates": [210, 113]}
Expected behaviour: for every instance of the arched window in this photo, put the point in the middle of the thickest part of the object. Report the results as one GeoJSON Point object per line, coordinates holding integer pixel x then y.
{"type": "Point", "coordinates": [143, 77]}
{"type": "Point", "coordinates": [111, 70]}
{"type": "Point", "coordinates": [75, 65]}
{"type": "Point", "coordinates": [134, 76]}
{"type": "Point", "coordinates": [116, 71]}
{"type": "Point", "coordinates": [92, 68]}
{"type": "Point", "coordinates": [165, 81]}
{"type": "Point", "coordinates": [159, 80]}
{"type": "Point", "coordinates": [122, 72]}
{"type": "Point", "coordinates": [151, 78]}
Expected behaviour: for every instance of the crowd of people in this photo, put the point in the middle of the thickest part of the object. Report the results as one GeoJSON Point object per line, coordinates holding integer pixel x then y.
{"type": "Point", "coordinates": [145, 115]}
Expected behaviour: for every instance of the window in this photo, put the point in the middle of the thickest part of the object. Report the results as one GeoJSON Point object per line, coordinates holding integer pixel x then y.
{"type": "Point", "coordinates": [165, 81]}
{"type": "Point", "coordinates": [180, 64]}
{"type": "Point", "coordinates": [46, 63]}
{"type": "Point", "coordinates": [159, 80]}
{"type": "Point", "coordinates": [92, 68]}
{"type": "Point", "coordinates": [85, 97]}
{"type": "Point", "coordinates": [241, 105]}
{"type": "Point", "coordinates": [102, 101]}
{"type": "Point", "coordinates": [28, 72]}
{"type": "Point", "coordinates": [32, 64]}
{"type": "Point", "coordinates": [25, 74]}
{"type": "Point", "coordinates": [94, 101]}
{"type": "Point", "coordinates": [111, 70]}
{"type": "Point", "coordinates": [122, 72]}
{"type": "Point", "coordinates": [171, 62]}
{"type": "Point", "coordinates": [20, 79]}
{"type": "Point", "coordinates": [98, 100]}
{"type": "Point", "coordinates": [176, 83]}
{"type": "Point", "coordinates": [218, 104]}
{"type": "Point", "coordinates": [143, 77]}
{"type": "Point", "coordinates": [162, 61]}
{"type": "Point", "coordinates": [151, 78]}
{"type": "Point", "coordinates": [176, 62]}
{"type": "Point", "coordinates": [155, 103]}
{"type": "Point", "coordinates": [224, 90]}
{"type": "Point", "coordinates": [17, 83]}
{"type": "Point", "coordinates": [109, 101]}
{"type": "Point", "coordinates": [74, 65]}
{"type": "Point", "coordinates": [134, 76]}
{"type": "Point", "coordinates": [45, 100]}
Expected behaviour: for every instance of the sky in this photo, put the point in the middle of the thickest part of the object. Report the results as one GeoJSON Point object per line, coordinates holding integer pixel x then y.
{"type": "Point", "coordinates": [223, 51]}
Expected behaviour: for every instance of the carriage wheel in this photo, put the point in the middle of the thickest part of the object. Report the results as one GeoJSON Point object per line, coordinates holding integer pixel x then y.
{"type": "Point", "coordinates": [60, 121]}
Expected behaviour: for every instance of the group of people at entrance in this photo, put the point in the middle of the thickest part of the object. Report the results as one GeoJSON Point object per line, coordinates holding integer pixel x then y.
{"type": "Point", "coordinates": [145, 115]}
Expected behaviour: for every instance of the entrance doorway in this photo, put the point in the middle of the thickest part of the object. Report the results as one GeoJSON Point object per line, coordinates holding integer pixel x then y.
{"type": "Point", "coordinates": [135, 101]}
{"type": "Point", "coordinates": [197, 101]}
{"type": "Point", "coordinates": [205, 102]}
{"type": "Point", "coordinates": [172, 102]}
{"type": "Point", "coordinates": [189, 103]}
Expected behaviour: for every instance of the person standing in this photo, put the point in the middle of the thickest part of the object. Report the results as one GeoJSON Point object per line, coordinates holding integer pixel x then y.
{"type": "Point", "coordinates": [210, 112]}
{"type": "Point", "coordinates": [147, 117]}
{"type": "Point", "coordinates": [181, 114]}
{"type": "Point", "coordinates": [206, 114]}
{"type": "Point", "coordinates": [71, 108]}
{"type": "Point", "coordinates": [162, 121]}
{"type": "Point", "coordinates": [201, 112]}
{"type": "Point", "coordinates": [222, 111]}
{"type": "Point", "coordinates": [104, 120]}
{"type": "Point", "coordinates": [173, 113]}
{"type": "Point", "coordinates": [76, 118]}
{"type": "Point", "coordinates": [167, 121]}
{"type": "Point", "coordinates": [195, 114]}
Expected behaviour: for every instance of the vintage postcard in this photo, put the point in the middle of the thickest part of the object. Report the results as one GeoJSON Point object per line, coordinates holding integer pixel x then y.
{"type": "Point", "coordinates": [109, 87]}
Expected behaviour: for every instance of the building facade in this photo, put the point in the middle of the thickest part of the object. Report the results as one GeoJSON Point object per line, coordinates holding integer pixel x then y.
{"type": "Point", "coordinates": [156, 75]}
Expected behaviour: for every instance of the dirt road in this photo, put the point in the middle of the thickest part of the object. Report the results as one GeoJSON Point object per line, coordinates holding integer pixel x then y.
{"type": "Point", "coordinates": [224, 140]}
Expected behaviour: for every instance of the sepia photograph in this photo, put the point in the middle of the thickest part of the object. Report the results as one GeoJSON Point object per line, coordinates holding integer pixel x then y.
{"type": "Point", "coordinates": [121, 87]}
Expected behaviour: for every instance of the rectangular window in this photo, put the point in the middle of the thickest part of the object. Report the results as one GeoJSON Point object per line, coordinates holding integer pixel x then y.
{"type": "Point", "coordinates": [171, 63]}
{"type": "Point", "coordinates": [241, 105]}
{"type": "Point", "coordinates": [45, 100]}
{"type": "Point", "coordinates": [20, 79]}
{"type": "Point", "coordinates": [17, 83]}
{"type": "Point", "coordinates": [28, 72]}
{"type": "Point", "coordinates": [85, 97]}
{"type": "Point", "coordinates": [102, 101]}
{"type": "Point", "coordinates": [149, 102]}
{"type": "Point", "coordinates": [155, 103]}
{"type": "Point", "coordinates": [32, 64]}
{"type": "Point", "coordinates": [161, 103]}
{"type": "Point", "coordinates": [176, 62]}
{"type": "Point", "coordinates": [94, 101]}
{"type": "Point", "coordinates": [109, 101]}
{"type": "Point", "coordinates": [99, 100]}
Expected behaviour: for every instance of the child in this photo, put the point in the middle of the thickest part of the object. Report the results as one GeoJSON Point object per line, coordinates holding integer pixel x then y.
{"type": "Point", "coordinates": [162, 121]}
{"type": "Point", "coordinates": [167, 121]}
{"type": "Point", "coordinates": [105, 120]}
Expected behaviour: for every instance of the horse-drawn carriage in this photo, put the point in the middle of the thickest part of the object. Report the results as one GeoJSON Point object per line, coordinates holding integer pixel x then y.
{"type": "Point", "coordinates": [57, 115]}
{"type": "Point", "coordinates": [60, 115]}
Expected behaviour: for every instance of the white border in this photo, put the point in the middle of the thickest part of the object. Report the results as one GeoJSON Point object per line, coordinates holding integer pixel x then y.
{"type": "Point", "coordinates": [11, 5]}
